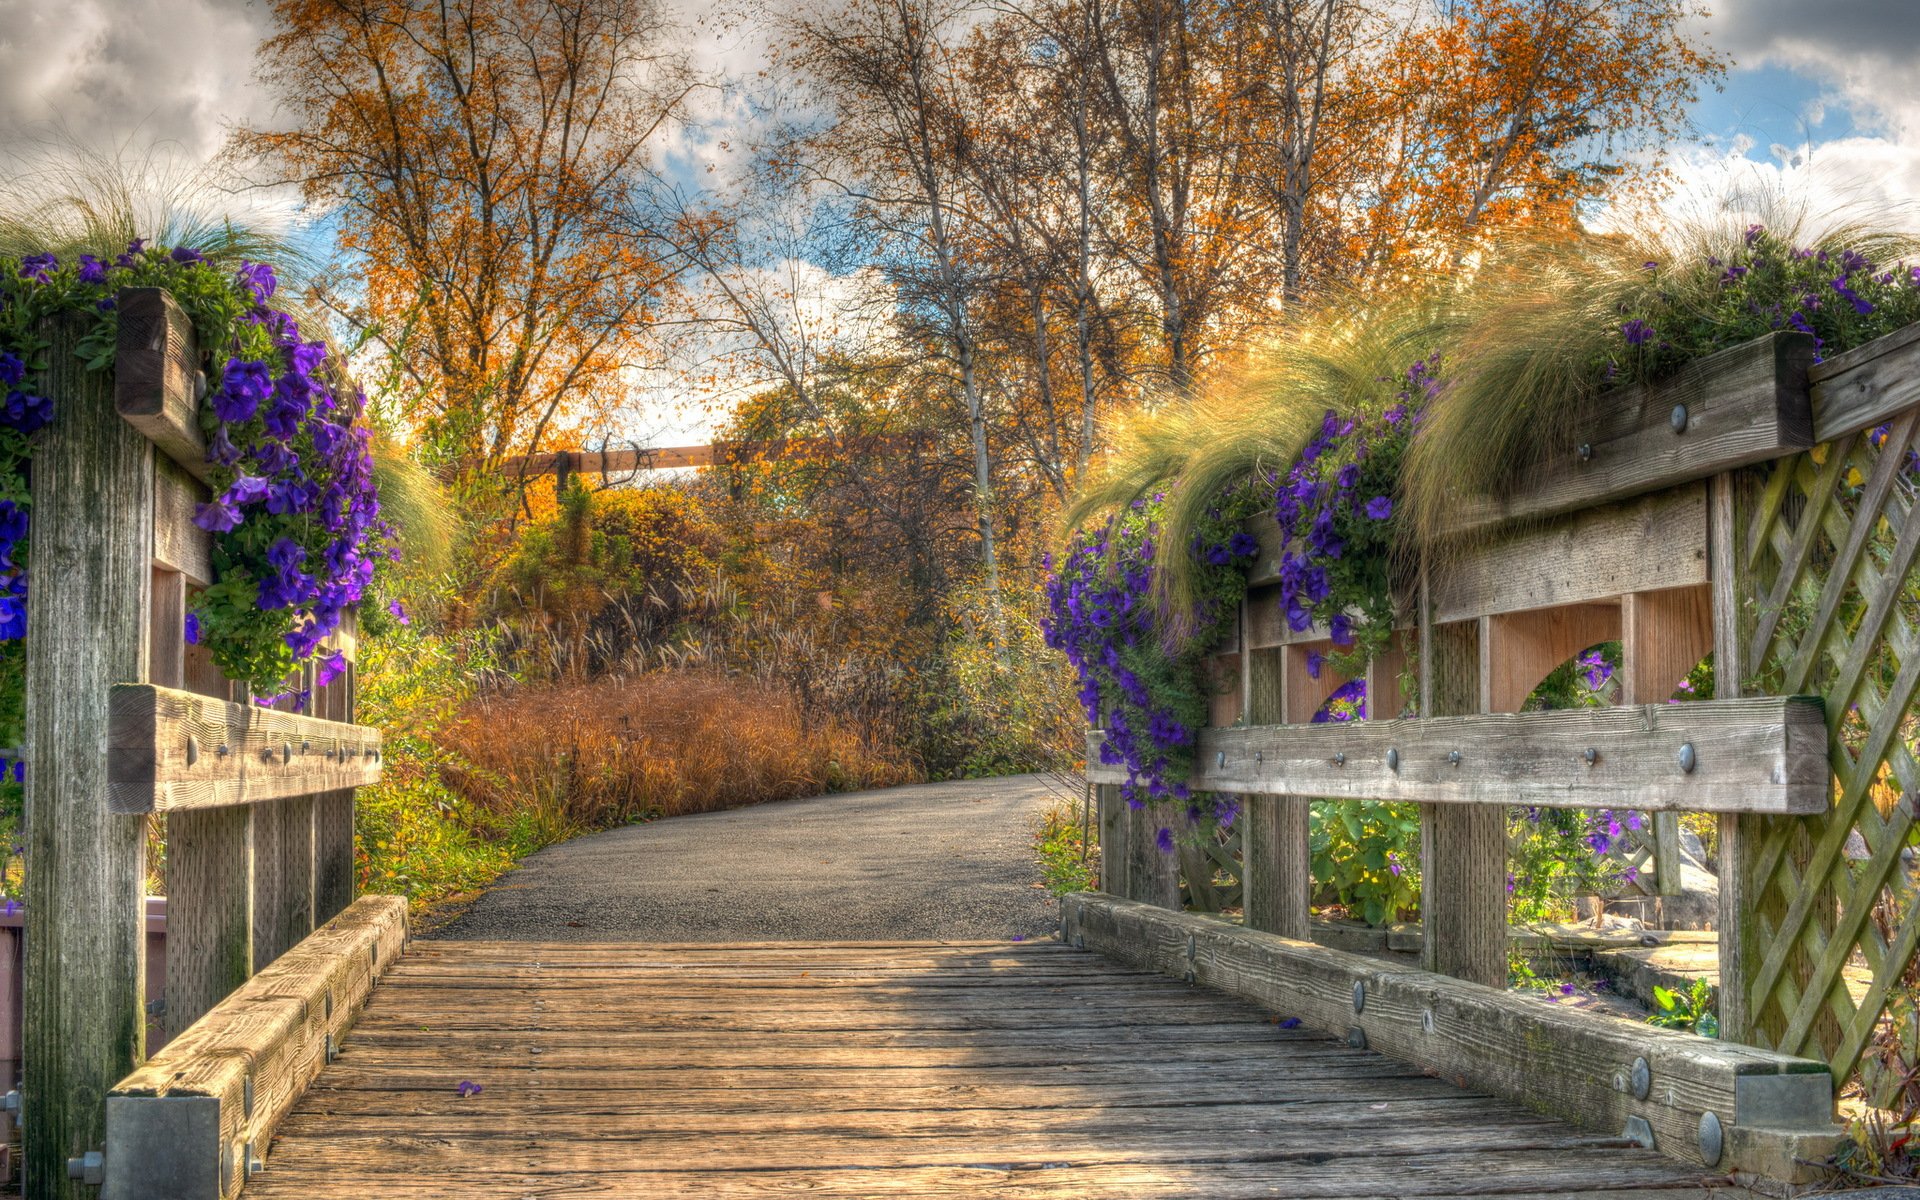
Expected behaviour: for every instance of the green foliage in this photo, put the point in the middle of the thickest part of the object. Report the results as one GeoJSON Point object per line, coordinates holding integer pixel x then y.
{"type": "Point", "coordinates": [1366, 858]}
{"type": "Point", "coordinates": [995, 699]}
{"type": "Point", "coordinates": [1067, 863]}
{"type": "Point", "coordinates": [601, 547]}
{"type": "Point", "coordinates": [1690, 1010]}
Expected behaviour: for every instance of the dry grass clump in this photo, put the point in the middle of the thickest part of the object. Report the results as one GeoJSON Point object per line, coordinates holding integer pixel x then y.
{"type": "Point", "coordinates": [579, 755]}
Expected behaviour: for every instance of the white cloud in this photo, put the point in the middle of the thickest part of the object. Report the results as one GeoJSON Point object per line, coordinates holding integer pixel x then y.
{"type": "Point", "coordinates": [113, 71]}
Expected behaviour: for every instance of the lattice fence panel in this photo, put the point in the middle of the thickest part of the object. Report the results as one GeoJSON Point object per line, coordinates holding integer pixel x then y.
{"type": "Point", "coordinates": [1832, 550]}
{"type": "Point", "coordinates": [1211, 877]}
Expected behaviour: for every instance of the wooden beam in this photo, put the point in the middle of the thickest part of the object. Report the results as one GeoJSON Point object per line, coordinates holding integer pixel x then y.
{"type": "Point", "coordinates": [92, 556]}
{"type": "Point", "coordinates": [1765, 754]}
{"type": "Point", "coordinates": [1743, 405]}
{"type": "Point", "coordinates": [1867, 386]}
{"type": "Point", "coordinates": [1650, 543]}
{"type": "Point", "coordinates": [157, 381]}
{"type": "Point", "coordinates": [1522, 648]}
{"type": "Point", "coordinates": [1730, 507]}
{"type": "Point", "coordinates": [171, 749]}
{"type": "Point", "coordinates": [1573, 1064]}
{"type": "Point", "coordinates": [186, 1124]}
{"type": "Point", "coordinates": [605, 462]}
{"type": "Point", "coordinates": [179, 544]}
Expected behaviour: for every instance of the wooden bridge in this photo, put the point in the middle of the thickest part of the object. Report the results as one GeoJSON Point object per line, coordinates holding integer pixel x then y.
{"type": "Point", "coordinates": [1756, 508]}
{"type": "Point", "coordinates": [864, 1069]}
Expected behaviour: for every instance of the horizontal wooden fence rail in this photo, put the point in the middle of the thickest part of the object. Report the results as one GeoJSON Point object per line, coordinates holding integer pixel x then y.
{"type": "Point", "coordinates": [1763, 754]}
{"type": "Point", "coordinates": [170, 749]}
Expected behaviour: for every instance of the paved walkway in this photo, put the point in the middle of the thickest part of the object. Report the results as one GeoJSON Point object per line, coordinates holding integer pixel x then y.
{"type": "Point", "coordinates": [931, 861]}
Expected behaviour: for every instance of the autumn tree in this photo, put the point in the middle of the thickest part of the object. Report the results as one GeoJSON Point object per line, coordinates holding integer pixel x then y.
{"type": "Point", "coordinates": [487, 163]}
{"type": "Point", "coordinates": [883, 72]}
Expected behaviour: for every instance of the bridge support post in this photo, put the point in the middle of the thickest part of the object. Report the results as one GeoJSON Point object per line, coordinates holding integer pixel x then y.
{"type": "Point", "coordinates": [92, 550]}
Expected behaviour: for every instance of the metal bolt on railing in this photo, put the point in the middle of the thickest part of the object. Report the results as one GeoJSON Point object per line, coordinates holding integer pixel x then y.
{"type": "Point", "coordinates": [1339, 758]}
{"type": "Point", "coordinates": [1453, 756]}
{"type": "Point", "coordinates": [1688, 758]}
{"type": "Point", "coordinates": [1592, 756]}
{"type": "Point", "coordinates": [89, 1168]}
{"type": "Point", "coordinates": [1393, 759]}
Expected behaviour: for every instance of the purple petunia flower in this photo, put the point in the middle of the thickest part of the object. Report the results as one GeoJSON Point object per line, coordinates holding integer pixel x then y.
{"type": "Point", "coordinates": [92, 270]}
{"type": "Point", "coordinates": [1164, 840]}
{"type": "Point", "coordinates": [193, 629]}
{"type": "Point", "coordinates": [1637, 332]}
{"type": "Point", "coordinates": [1379, 508]}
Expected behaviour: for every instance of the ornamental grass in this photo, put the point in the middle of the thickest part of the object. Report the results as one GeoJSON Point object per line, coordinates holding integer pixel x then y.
{"type": "Point", "coordinates": [580, 755]}
{"type": "Point", "coordinates": [1370, 420]}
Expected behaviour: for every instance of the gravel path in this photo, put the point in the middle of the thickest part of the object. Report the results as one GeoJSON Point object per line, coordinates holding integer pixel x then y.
{"type": "Point", "coordinates": [936, 860]}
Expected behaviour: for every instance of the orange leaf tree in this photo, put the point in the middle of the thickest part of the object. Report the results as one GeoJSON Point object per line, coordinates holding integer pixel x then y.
{"type": "Point", "coordinates": [486, 164]}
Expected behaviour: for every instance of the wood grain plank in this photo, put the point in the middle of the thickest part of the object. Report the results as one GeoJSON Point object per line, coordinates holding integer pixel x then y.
{"type": "Point", "coordinates": [1654, 542]}
{"type": "Point", "coordinates": [157, 381]}
{"type": "Point", "coordinates": [1743, 405]}
{"type": "Point", "coordinates": [1760, 754]}
{"type": "Point", "coordinates": [254, 1053]}
{"type": "Point", "coordinates": [172, 749]}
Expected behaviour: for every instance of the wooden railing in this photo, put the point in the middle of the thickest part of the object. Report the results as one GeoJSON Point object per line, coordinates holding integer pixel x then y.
{"type": "Point", "coordinates": [1758, 508]}
{"type": "Point", "coordinates": [128, 721]}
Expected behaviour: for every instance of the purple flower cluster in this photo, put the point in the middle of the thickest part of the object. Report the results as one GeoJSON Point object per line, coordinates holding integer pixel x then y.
{"type": "Point", "coordinates": [295, 514]}
{"type": "Point", "coordinates": [1146, 697]}
{"type": "Point", "coordinates": [1335, 507]}
{"type": "Point", "coordinates": [296, 467]}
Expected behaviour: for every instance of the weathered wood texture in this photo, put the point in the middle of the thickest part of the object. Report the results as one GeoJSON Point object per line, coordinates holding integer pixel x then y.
{"type": "Point", "coordinates": [982, 1069]}
{"type": "Point", "coordinates": [1821, 600]}
{"type": "Point", "coordinates": [1570, 1064]}
{"type": "Point", "coordinates": [157, 377]}
{"type": "Point", "coordinates": [1651, 543]}
{"type": "Point", "coordinates": [1761, 754]}
{"type": "Point", "coordinates": [1463, 849]}
{"type": "Point", "coordinates": [1663, 637]}
{"type": "Point", "coordinates": [1746, 404]}
{"type": "Point", "coordinates": [247, 1062]}
{"type": "Point", "coordinates": [179, 544]}
{"type": "Point", "coordinates": [172, 749]}
{"type": "Point", "coordinates": [88, 616]}
{"type": "Point", "coordinates": [1866, 386]}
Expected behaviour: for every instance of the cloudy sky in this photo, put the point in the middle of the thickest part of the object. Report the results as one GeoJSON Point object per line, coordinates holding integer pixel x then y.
{"type": "Point", "coordinates": [1824, 102]}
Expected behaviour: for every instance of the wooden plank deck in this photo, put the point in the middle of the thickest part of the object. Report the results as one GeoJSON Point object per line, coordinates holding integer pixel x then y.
{"type": "Point", "coordinates": [886, 1069]}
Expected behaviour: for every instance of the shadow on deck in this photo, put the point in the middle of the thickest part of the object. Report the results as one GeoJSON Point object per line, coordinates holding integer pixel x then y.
{"type": "Point", "coordinates": [871, 1069]}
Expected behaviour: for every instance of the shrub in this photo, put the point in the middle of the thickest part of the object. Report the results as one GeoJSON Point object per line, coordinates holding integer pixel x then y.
{"type": "Point", "coordinates": [608, 576]}
{"type": "Point", "coordinates": [577, 755]}
{"type": "Point", "coordinates": [996, 700]}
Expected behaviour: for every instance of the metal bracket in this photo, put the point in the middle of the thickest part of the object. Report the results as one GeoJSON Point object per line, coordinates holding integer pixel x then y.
{"type": "Point", "coordinates": [1638, 1132]}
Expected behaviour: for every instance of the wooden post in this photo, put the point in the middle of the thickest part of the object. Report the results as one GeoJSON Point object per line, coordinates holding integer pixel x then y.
{"type": "Point", "coordinates": [1114, 827]}
{"type": "Point", "coordinates": [1277, 874]}
{"type": "Point", "coordinates": [1153, 875]}
{"type": "Point", "coordinates": [333, 866]}
{"type": "Point", "coordinates": [1730, 504]}
{"type": "Point", "coordinates": [87, 617]}
{"type": "Point", "coordinates": [1663, 636]}
{"type": "Point", "coordinates": [1463, 847]}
